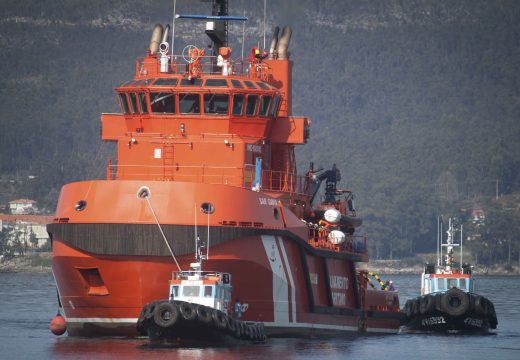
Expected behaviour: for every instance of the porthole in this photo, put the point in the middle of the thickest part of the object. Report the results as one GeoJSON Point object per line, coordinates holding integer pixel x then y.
{"type": "Point", "coordinates": [207, 208]}
{"type": "Point", "coordinates": [81, 205]}
{"type": "Point", "coordinates": [143, 192]}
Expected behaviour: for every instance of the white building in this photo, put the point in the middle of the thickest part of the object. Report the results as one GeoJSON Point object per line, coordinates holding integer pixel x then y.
{"type": "Point", "coordinates": [22, 206]}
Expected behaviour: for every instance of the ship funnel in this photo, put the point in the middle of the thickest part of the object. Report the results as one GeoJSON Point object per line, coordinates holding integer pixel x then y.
{"type": "Point", "coordinates": [166, 34]}
{"type": "Point", "coordinates": [156, 38]}
{"type": "Point", "coordinates": [283, 43]}
{"type": "Point", "coordinates": [274, 43]}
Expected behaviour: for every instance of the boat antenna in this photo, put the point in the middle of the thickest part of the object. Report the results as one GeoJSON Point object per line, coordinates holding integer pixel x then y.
{"type": "Point", "coordinates": [197, 257]}
{"type": "Point", "coordinates": [461, 246]}
{"type": "Point", "coordinates": [438, 225]}
{"type": "Point", "coordinates": [439, 261]}
{"type": "Point", "coordinates": [243, 37]}
{"type": "Point", "coordinates": [265, 6]}
{"type": "Point", "coordinates": [173, 28]}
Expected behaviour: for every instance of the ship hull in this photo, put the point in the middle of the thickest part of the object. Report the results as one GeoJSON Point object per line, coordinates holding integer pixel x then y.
{"type": "Point", "coordinates": [106, 271]}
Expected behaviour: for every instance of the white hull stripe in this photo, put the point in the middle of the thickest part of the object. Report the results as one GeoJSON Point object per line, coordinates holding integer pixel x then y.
{"type": "Point", "coordinates": [291, 281]}
{"type": "Point", "coordinates": [280, 285]}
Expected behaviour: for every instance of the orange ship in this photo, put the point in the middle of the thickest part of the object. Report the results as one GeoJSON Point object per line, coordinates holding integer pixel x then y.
{"type": "Point", "coordinates": [205, 154]}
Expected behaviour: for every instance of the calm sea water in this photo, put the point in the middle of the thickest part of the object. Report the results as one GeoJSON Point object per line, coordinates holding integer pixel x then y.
{"type": "Point", "coordinates": [28, 303]}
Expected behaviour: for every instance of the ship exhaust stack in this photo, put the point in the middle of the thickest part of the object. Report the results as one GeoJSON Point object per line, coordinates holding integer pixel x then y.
{"type": "Point", "coordinates": [283, 43]}
{"type": "Point", "coordinates": [274, 43]}
{"type": "Point", "coordinates": [157, 35]}
{"type": "Point", "coordinates": [165, 35]}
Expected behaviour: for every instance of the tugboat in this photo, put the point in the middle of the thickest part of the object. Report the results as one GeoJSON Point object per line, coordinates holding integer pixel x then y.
{"type": "Point", "coordinates": [448, 302]}
{"type": "Point", "coordinates": [198, 309]}
{"type": "Point", "coordinates": [206, 146]}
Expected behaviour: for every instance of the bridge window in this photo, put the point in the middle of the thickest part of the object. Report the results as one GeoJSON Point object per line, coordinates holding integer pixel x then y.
{"type": "Point", "coordinates": [166, 82]}
{"type": "Point", "coordinates": [216, 82]}
{"type": "Point", "coordinates": [162, 102]}
{"type": "Point", "coordinates": [238, 104]}
{"type": "Point", "coordinates": [276, 105]}
{"type": "Point", "coordinates": [264, 106]}
{"type": "Point", "coordinates": [251, 105]}
{"type": "Point", "coordinates": [263, 85]}
{"type": "Point", "coordinates": [191, 82]}
{"type": "Point", "coordinates": [216, 104]}
{"type": "Point", "coordinates": [190, 291]}
{"type": "Point", "coordinates": [142, 103]}
{"type": "Point", "coordinates": [133, 103]}
{"type": "Point", "coordinates": [250, 84]}
{"type": "Point", "coordinates": [208, 291]}
{"type": "Point", "coordinates": [452, 283]}
{"type": "Point", "coordinates": [124, 103]}
{"type": "Point", "coordinates": [237, 84]}
{"type": "Point", "coordinates": [189, 103]}
{"type": "Point", "coordinates": [462, 284]}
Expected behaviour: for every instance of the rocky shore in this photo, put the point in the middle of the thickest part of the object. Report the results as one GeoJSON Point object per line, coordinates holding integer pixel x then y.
{"type": "Point", "coordinates": [33, 263]}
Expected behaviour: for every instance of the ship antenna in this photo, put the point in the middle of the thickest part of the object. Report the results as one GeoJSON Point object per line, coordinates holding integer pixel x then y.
{"type": "Point", "coordinates": [173, 28]}
{"type": "Point", "coordinates": [243, 37]}
{"type": "Point", "coordinates": [207, 241]}
{"type": "Point", "coordinates": [265, 6]}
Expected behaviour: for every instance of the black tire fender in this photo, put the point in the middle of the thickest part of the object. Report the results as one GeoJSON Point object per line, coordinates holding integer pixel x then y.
{"type": "Point", "coordinates": [426, 304]}
{"type": "Point", "coordinates": [219, 319]}
{"type": "Point", "coordinates": [165, 314]}
{"type": "Point", "coordinates": [188, 311]}
{"type": "Point", "coordinates": [455, 302]}
{"type": "Point", "coordinates": [204, 314]}
{"type": "Point", "coordinates": [481, 305]}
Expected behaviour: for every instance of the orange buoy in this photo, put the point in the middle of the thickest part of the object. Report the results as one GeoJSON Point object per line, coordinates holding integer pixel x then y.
{"type": "Point", "coordinates": [58, 325]}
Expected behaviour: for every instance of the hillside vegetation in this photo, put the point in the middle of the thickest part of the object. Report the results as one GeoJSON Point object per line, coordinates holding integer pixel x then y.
{"type": "Point", "coordinates": [416, 101]}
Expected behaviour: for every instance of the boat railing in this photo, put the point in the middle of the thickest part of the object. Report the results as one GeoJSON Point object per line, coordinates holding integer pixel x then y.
{"type": "Point", "coordinates": [353, 244]}
{"type": "Point", "coordinates": [151, 66]}
{"type": "Point", "coordinates": [275, 181]}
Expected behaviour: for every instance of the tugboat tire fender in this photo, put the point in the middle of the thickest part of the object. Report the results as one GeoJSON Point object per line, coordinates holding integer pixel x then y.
{"type": "Point", "coordinates": [481, 305]}
{"type": "Point", "coordinates": [165, 314]}
{"type": "Point", "coordinates": [219, 318]}
{"type": "Point", "coordinates": [455, 302]}
{"type": "Point", "coordinates": [426, 304]}
{"type": "Point", "coordinates": [149, 310]}
{"type": "Point", "coordinates": [231, 325]}
{"type": "Point", "coordinates": [188, 311]}
{"type": "Point", "coordinates": [415, 307]}
{"type": "Point", "coordinates": [204, 314]}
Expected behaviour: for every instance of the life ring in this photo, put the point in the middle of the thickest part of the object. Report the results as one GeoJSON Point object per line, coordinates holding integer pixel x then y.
{"type": "Point", "coordinates": [426, 304]}
{"type": "Point", "coordinates": [481, 305]}
{"type": "Point", "coordinates": [188, 311]}
{"type": "Point", "coordinates": [219, 319]}
{"type": "Point", "coordinates": [165, 314]}
{"type": "Point", "coordinates": [455, 302]}
{"type": "Point", "coordinates": [204, 314]}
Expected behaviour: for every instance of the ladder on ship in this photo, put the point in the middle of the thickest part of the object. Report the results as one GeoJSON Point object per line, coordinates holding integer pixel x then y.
{"type": "Point", "coordinates": [168, 161]}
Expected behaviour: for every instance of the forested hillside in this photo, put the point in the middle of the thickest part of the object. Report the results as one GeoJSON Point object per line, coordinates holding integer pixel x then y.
{"type": "Point", "coordinates": [416, 101]}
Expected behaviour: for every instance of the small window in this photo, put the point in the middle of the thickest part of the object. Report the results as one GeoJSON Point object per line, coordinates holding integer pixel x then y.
{"type": "Point", "coordinates": [276, 105]}
{"type": "Point", "coordinates": [238, 104]}
{"type": "Point", "coordinates": [441, 284]}
{"type": "Point", "coordinates": [133, 103]}
{"type": "Point", "coordinates": [166, 82]}
{"type": "Point", "coordinates": [237, 84]}
{"type": "Point", "coordinates": [264, 106]}
{"type": "Point", "coordinates": [189, 103]}
{"type": "Point", "coordinates": [192, 82]}
{"type": "Point", "coordinates": [162, 103]}
{"type": "Point", "coordinates": [262, 85]}
{"type": "Point", "coordinates": [216, 82]}
{"type": "Point", "coordinates": [124, 103]}
{"type": "Point", "coordinates": [175, 291]}
{"type": "Point", "coordinates": [208, 291]}
{"type": "Point", "coordinates": [142, 103]}
{"type": "Point", "coordinates": [251, 105]}
{"type": "Point", "coordinates": [216, 104]}
{"type": "Point", "coordinates": [250, 84]}
{"type": "Point", "coordinates": [452, 283]}
{"type": "Point", "coordinates": [462, 284]}
{"type": "Point", "coordinates": [190, 291]}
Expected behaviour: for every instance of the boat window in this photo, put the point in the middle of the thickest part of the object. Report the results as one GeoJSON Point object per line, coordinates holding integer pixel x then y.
{"type": "Point", "coordinates": [208, 291]}
{"type": "Point", "coordinates": [441, 284]}
{"type": "Point", "coordinates": [166, 82]}
{"type": "Point", "coordinates": [250, 84]}
{"type": "Point", "coordinates": [216, 82]}
{"type": "Point", "coordinates": [237, 84]}
{"type": "Point", "coordinates": [216, 104]}
{"type": "Point", "coordinates": [262, 85]}
{"type": "Point", "coordinates": [276, 104]}
{"type": "Point", "coordinates": [462, 284]}
{"type": "Point", "coordinates": [162, 102]}
{"type": "Point", "coordinates": [238, 104]}
{"type": "Point", "coordinates": [175, 291]}
{"type": "Point", "coordinates": [133, 103]}
{"type": "Point", "coordinates": [190, 291]}
{"type": "Point", "coordinates": [251, 105]}
{"type": "Point", "coordinates": [124, 103]}
{"type": "Point", "coordinates": [142, 103]}
{"type": "Point", "coordinates": [264, 106]}
{"type": "Point", "coordinates": [192, 82]}
{"type": "Point", "coordinates": [189, 103]}
{"type": "Point", "coordinates": [452, 283]}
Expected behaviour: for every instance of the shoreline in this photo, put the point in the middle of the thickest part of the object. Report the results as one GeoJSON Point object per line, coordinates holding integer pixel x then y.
{"type": "Point", "coordinates": [41, 262]}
